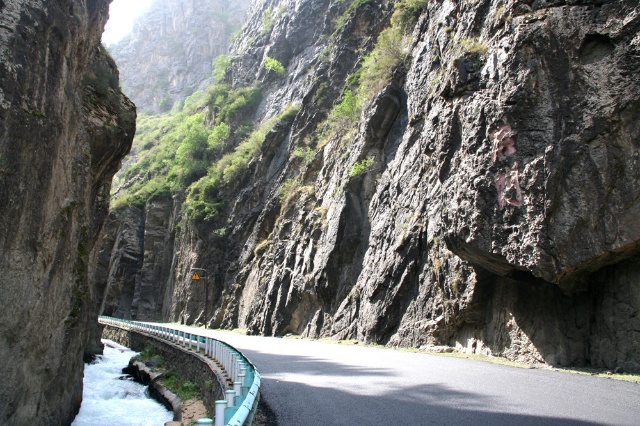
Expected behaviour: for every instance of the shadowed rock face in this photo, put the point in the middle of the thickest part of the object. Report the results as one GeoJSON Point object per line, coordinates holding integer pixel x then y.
{"type": "Point", "coordinates": [499, 215]}
{"type": "Point", "coordinates": [64, 126]}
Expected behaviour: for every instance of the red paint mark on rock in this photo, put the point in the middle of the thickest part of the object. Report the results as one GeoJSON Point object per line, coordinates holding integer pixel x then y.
{"type": "Point", "coordinates": [508, 186]}
{"type": "Point", "coordinates": [502, 142]}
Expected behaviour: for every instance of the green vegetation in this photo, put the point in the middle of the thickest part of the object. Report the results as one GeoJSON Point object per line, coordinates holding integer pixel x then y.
{"type": "Point", "coordinates": [152, 358]}
{"type": "Point", "coordinates": [406, 12]}
{"type": "Point", "coordinates": [390, 53]}
{"type": "Point", "coordinates": [306, 153]}
{"type": "Point", "coordinates": [220, 66]}
{"type": "Point", "coordinates": [176, 151]}
{"type": "Point", "coordinates": [474, 45]}
{"type": "Point", "coordinates": [205, 146]}
{"type": "Point", "coordinates": [273, 65]}
{"type": "Point", "coordinates": [501, 15]}
{"type": "Point", "coordinates": [355, 4]}
{"type": "Point", "coordinates": [185, 390]}
{"type": "Point", "coordinates": [267, 20]}
{"type": "Point", "coordinates": [288, 188]}
{"type": "Point", "coordinates": [346, 112]}
{"type": "Point", "coordinates": [361, 167]}
{"type": "Point", "coordinates": [147, 354]}
{"type": "Point", "coordinates": [102, 80]}
{"type": "Point", "coordinates": [165, 104]}
{"type": "Point", "coordinates": [203, 201]}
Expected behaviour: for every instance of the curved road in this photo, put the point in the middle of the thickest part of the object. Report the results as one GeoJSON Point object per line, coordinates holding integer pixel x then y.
{"type": "Point", "coordinates": [316, 383]}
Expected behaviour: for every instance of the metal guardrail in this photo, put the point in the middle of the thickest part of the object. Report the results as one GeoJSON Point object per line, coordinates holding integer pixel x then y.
{"type": "Point", "coordinates": [241, 403]}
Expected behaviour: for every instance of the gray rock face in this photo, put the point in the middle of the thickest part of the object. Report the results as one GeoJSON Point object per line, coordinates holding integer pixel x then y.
{"type": "Point", "coordinates": [170, 52]}
{"type": "Point", "coordinates": [134, 260]}
{"type": "Point", "coordinates": [494, 197]}
{"type": "Point", "coordinates": [63, 130]}
{"type": "Point", "coordinates": [498, 215]}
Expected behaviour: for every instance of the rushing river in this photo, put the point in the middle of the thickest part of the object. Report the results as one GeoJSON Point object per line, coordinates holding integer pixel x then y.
{"type": "Point", "coordinates": [109, 398]}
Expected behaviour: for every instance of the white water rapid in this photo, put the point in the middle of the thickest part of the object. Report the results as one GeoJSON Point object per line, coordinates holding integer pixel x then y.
{"type": "Point", "coordinates": [108, 400]}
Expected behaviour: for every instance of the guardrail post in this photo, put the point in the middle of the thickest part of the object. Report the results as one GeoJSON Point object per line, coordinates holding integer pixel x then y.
{"type": "Point", "coordinates": [243, 388]}
{"type": "Point", "coordinates": [232, 373]}
{"type": "Point", "coordinates": [237, 388]}
{"type": "Point", "coordinates": [219, 417]}
{"type": "Point", "coordinates": [243, 373]}
{"type": "Point", "coordinates": [231, 396]}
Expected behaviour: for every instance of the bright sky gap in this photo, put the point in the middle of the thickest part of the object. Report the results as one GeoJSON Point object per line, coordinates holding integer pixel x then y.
{"type": "Point", "coordinates": [122, 14]}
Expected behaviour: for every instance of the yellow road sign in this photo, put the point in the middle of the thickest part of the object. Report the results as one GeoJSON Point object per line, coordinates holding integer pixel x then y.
{"type": "Point", "coordinates": [195, 276]}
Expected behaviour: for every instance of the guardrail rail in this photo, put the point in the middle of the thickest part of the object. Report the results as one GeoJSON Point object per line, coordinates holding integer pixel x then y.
{"type": "Point", "coordinates": [241, 403]}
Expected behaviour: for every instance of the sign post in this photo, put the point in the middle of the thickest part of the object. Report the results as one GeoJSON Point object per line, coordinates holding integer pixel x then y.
{"type": "Point", "coordinates": [199, 274]}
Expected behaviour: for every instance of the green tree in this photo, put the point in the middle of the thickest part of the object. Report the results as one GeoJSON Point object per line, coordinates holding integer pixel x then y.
{"type": "Point", "coordinates": [219, 136]}
{"type": "Point", "coordinates": [273, 65]}
{"type": "Point", "coordinates": [220, 66]}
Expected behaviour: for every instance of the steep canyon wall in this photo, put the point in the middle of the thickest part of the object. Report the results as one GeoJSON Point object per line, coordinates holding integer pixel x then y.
{"type": "Point", "coordinates": [64, 126]}
{"type": "Point", "coordinates": [485, 197]}
{"type": "Point", "coordinates": [170, 52]}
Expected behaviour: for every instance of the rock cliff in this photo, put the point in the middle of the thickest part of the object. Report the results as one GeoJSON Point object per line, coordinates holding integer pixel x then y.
{"type": "Point", "coordinates": [64, 126]}
{"type": "Point", "coordinates": [170, 52]}
{"type": "Point", "coordinates": [482, 192]}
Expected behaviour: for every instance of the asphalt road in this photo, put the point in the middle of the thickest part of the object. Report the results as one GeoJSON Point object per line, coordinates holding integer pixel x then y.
{"type": "Point", "coordinates": [316, 383]}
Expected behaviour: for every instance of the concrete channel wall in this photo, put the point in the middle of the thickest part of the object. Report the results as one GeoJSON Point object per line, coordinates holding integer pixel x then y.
{"type": "Point", "coordinates": [229, 383]}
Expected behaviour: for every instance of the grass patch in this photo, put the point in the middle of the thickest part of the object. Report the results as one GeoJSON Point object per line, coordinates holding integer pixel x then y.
{"type": "Point", "coordinates": [184, 389]}
{"type": "Point", "coordinates": [305, 153]}
{"type": "Point", "coordinates": [474, 45]}
{"type": "Point", "coordinates": [406, 12]}
{"type": "Point", "coordinates": [634, 378]}
{"type": "Point", "coordinates": [147, 354]}
{"type": "Point", "coordinates": [390, 52]}
{"type": "Point", "coordinates": [288, 188]}
{"type": "Point", "coordinates": [268, 20]}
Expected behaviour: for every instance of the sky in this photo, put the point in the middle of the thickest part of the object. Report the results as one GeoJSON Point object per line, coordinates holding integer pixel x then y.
{"type": "Point", "coordinates": [121, 16]}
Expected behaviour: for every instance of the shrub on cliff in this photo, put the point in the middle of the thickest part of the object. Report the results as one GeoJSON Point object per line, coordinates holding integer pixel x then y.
{"type": "Point", "coordinates": [390, 52]}
{"type": "Point", "coordinates": [203, 197]}
{"type": "Point", "coordinates": [273, 65]}
{"type": "Point", "coordinates": [406, 12]}
{"type": "Point", "coordinates": [346, 112]}
{"type": "Point", "coordinates": [220, 66]}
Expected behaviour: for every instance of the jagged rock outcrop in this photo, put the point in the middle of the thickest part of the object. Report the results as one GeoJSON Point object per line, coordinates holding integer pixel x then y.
{"type": "Point", "coordinates": [170, 52]}
{"type": "Point", "coordinates": [64, 126]}
{"type": "Point", "coordinates": [487, 198]}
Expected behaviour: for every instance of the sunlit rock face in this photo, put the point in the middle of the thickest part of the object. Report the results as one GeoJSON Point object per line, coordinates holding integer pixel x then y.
{"type": "Point", "coordinates": [497, 212]}
{"type": "Point", "coordinates": [500, 215]}
{"type": "Point", "coordinates": [64, 126]}
{"type": "Point", "coordinates": [170, 52]}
